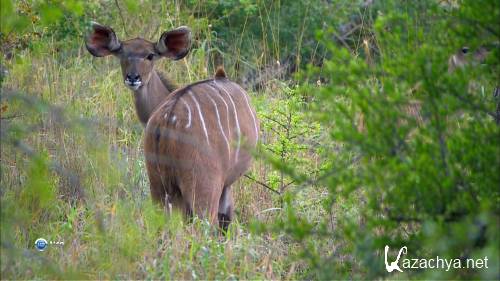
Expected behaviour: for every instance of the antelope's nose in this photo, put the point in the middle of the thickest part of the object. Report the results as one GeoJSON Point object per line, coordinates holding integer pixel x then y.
{"type": "Point", "coordinates": [133, 80]}
{"type": "Point", "coordinates": [133, 77]}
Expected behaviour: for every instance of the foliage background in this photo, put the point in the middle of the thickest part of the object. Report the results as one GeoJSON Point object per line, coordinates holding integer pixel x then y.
{"type": "Point", "coordinates": [367, 140]}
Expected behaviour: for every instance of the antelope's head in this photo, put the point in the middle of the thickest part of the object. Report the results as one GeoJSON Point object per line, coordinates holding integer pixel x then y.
{"type": "Point", "coordinates": [137, 55]}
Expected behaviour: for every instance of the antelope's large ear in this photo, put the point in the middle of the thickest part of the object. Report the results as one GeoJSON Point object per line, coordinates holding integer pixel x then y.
{"type": "Point", "coordinates": [102, 41]}
{"type": "Point", "coordinates": [175, 43]}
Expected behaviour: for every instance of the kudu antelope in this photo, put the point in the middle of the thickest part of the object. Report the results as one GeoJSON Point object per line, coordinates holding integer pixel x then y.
{"type": "Point", "coordinates": [197, 138]}
{"type": "Point", "coordinates": [464, 56]}
{"type": "Point", "coordinates": [136, 57]}
{"type": "Point", "coordinates": [458, 60]}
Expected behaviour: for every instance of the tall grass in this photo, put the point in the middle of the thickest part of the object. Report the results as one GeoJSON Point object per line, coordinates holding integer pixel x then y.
{"type": "Point", "coordinates": [73, 167]}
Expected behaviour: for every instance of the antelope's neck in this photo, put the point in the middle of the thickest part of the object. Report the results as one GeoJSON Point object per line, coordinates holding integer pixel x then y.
{"type": "Point", "coordinates": [149, 97]}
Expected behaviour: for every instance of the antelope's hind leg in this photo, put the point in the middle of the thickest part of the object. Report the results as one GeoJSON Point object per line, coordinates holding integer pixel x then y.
{"type": "Point", "coordinates": [158, 192]}
{"type": "Point", "coordinates": [165, 194]}
{"type": "Point", "coordinates": [201, 197]}
{"type": "Point", "coordinates": [163, 191]}
{"type": "Point", "coordinates": [226, 208]}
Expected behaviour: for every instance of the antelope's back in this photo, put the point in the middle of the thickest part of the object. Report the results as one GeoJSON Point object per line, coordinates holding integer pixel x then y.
{"type": "Point", "coordinates": [209, 125]}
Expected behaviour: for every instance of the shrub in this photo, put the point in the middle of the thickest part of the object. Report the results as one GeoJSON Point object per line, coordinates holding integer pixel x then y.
{"type": "Point", "coordinates": [422, 162]}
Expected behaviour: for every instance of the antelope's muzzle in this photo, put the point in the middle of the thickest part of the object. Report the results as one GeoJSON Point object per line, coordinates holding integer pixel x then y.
{"type": "Point", "coordinates": [133, 81]}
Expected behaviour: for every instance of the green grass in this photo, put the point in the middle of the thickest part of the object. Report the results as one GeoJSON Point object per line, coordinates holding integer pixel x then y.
{"type": "Point", "coordinates": [83, 126]}
{"type": "Point", "coordinates": [341, 170]}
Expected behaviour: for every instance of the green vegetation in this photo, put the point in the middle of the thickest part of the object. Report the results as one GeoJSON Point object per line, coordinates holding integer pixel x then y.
{"type": "Point", "coordinates": [368, 138]}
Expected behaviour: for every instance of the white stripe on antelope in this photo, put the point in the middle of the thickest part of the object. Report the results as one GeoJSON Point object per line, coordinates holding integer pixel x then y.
{"type": "Point", "coordinates": [220, 125]}
{"type": "Point", "coordinates": [238, 130]}
{"type": "Point", "coordinates": [200, 114]}
{"type": "Point", "coordinates": [189, 113]}
{"type": "Point", "coordinates": [227, 109]}
{"type": "Point", "coordinates": [251, 113]}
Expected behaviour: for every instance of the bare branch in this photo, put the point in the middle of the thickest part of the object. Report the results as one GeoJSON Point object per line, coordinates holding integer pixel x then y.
{"type": "Point", "coordinates": [121, 17]}
{"type": "Point", "coordinates": [263, 184]}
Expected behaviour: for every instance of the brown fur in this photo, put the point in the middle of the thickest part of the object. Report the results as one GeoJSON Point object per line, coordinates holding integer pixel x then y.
{"type": "Point", "coordinates": [220, 73]}
{"type": "Point", "coordinates": [137, 58]}
{"type": "Point", "coordinates": [185, 170]}
{"type": "Point", "coordinates": [167, 82]}
{"type": "Point", "coordinates": [464, 56]}
{"type": "Point", "coordinates": [197, 138]}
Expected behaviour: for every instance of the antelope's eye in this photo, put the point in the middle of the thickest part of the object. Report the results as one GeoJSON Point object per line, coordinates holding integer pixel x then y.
{"type": "Point", "coordinates": [465, 50]}
{"type": "Point", "coordinates": [150, 57]}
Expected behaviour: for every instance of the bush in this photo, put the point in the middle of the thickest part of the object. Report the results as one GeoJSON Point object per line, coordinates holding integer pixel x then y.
{"type": "Point", "coordinates": [420, 151]}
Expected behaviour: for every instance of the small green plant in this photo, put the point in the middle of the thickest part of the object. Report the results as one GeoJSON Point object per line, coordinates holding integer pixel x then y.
{"type": "Point", "coordinates": [289, 133]}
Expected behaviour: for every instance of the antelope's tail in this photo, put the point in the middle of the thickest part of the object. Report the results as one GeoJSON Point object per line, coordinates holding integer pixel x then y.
{"type": "Point", "coordinates": [220, 73]}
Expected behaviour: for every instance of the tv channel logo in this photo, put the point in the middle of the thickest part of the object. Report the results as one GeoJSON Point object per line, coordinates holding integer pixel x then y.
{"type": "Point", "coordinates": [41, 244]}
